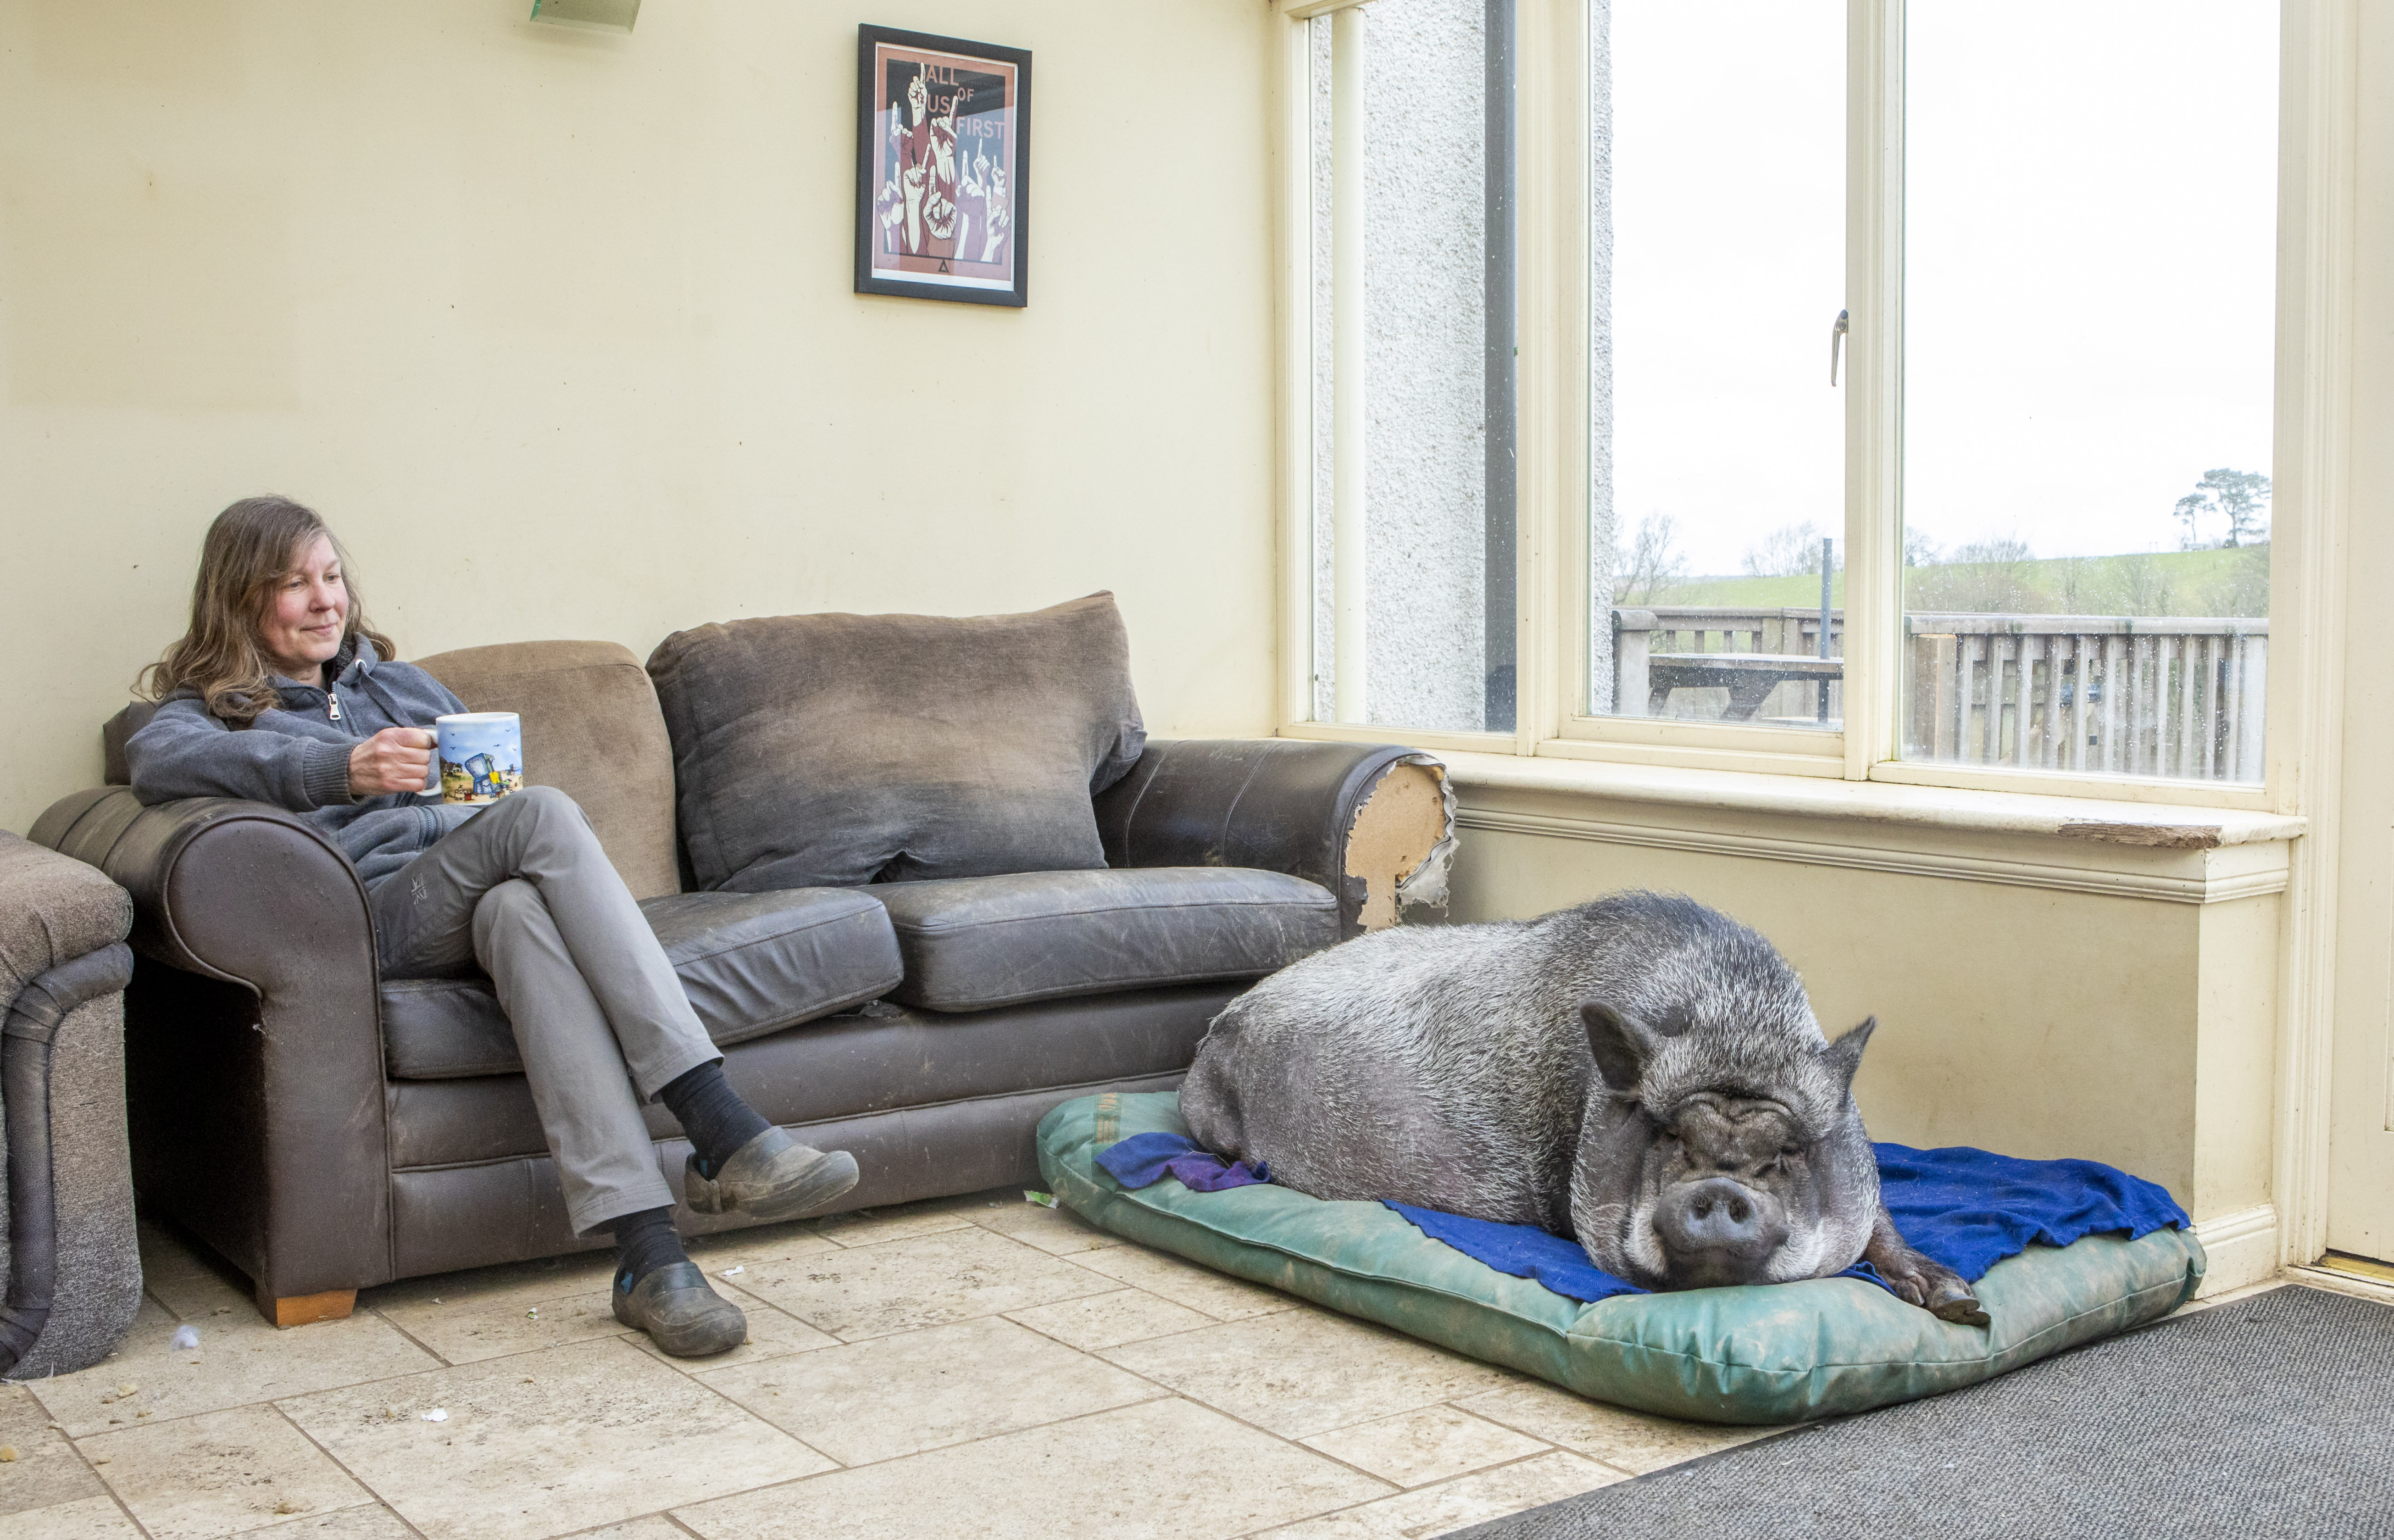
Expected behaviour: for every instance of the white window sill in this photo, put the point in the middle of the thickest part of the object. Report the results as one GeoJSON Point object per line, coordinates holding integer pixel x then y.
{"type": "Point", "coordinates": [2147, 825]}
{"type": "Point", "coordinates": [2143, 850]}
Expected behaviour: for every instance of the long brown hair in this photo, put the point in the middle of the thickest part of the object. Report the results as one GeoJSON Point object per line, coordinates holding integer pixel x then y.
{"type": "Point", "coordinates": [249, 548]}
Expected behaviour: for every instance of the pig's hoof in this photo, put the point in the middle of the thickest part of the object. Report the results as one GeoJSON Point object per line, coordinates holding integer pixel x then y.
{"type": "Point", "coordinates": [1954, 1302]}
{"type": "Point", "coordinates": [1947, 1296]}
{"type": "Point", "coordinates": [1937, 1289]}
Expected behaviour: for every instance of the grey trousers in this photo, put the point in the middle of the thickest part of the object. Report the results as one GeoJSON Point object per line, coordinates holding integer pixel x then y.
{"type": "Point", "coordinates": [600, 1021]}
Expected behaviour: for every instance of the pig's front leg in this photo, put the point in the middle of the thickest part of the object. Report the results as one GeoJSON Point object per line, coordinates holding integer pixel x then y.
{"type": "Point", "coordinates": [1918, 1281]}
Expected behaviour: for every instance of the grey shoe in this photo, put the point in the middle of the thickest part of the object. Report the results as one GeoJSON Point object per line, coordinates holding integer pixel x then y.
{"type": "Point", "coordinates": [771, 1177]}
{"type": "Point", "coordinates": [680, 1313]}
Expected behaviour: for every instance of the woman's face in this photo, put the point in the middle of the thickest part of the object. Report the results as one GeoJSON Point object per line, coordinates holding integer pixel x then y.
{"type": "Point", "coordinates": [301, 628]}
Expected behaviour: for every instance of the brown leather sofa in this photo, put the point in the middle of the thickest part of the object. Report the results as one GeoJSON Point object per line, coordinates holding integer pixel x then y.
{"type": "Point", "coordinates": [327, 1130]}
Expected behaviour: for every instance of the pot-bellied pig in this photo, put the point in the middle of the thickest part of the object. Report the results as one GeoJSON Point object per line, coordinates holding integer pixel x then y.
{"type": "Point", "coordinates": [1641, 1073]}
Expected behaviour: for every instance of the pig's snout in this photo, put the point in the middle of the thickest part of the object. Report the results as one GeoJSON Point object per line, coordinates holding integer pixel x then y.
{"type": "Point", "coordinates": [1719, 1231]}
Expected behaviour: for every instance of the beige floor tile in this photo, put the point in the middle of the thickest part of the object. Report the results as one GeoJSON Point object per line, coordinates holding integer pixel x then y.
{"type": "Point", "coordinates": [351, 1523]}
{"type": "Point", "coordinates": [1472, 1500]}
{"type": "Point", "coordinates": [900, 1395]}
{"type": "Point", "coordinates": [47, 1470]}
{"type": "Point", "coordinates": [868, 1227]}
{"type": "Point", "coordinates": [1056, 1231]}
{"type": "Point", "coordinates": [1156, 1470]}
{"type": "Point", "coordinates": [770, 1334]}
{"type": "Point", "coordinates": [734, 1249]}
{"type": "Point", "coordinates": [1303, 1372]}
{"type": "Point", "coordinates": [240, 1359]}
{"type": "Point", "coordinates": [546, 1443]}
{"type": "Point", "coordinates": [183, 1275]}
{"type": "Point", "coordinates": [219, 1473]}
{"type": "Point", "coordinates": [1110, 1320]}
{"type": "Point", "coordinates": [1433, 1444]}
{"type": "Point", "coordinates": [210, 1289]}
{"type": "Point", "coordinates": [656, 1526]}
{"type": "Point", "coordinates": [520, 1283]}
{"type": "Point", "coordinates": [86, 1519]}
{"type": "Point", "coordinates": [164, 1252]}
{"type": "Point", "coordinates": [1222, 1297]}
{"type": "Point", "coordinates": [468, 1331]}
{"type": "Point", "coordinates": [1631, 1440]}
{"type": "Point", "coordinates": [898, 1284]}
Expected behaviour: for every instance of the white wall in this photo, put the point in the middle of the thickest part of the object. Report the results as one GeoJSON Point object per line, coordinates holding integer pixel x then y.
{"type": "Point", "coordinates": [557, 327]}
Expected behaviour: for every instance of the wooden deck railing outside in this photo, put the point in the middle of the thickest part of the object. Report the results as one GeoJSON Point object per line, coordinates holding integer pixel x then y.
{"type": "Point", "coordinates": [2164, 695]}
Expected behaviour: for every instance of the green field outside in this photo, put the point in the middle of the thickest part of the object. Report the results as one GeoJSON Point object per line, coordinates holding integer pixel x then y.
{"type": "Point", "coordinates": [2215, 583]}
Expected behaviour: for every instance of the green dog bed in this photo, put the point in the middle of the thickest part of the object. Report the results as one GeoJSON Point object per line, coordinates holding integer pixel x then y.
{"type": "Point", "coordinates": [1780, 1353]}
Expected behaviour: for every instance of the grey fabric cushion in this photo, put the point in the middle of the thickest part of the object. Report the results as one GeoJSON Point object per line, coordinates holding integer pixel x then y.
{"type": "Point", "coordinates": [974, 943]}
{"type": "Point", "coordinates": [53, 909]}
{"type": "Point", "coordinates": [751, 962]}
{"type": "Point", "coordinates": [838, 750]}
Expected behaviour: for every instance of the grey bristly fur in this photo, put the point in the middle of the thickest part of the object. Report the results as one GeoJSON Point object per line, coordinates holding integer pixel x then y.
{"type": "Point", "coordinates": [1456, 1068]}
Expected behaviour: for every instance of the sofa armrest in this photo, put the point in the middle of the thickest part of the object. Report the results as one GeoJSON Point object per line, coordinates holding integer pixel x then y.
{"type": "Point", "coordinates": [258, 1110]}
{"type": "Point", "coordinates": [236, 890]}
{"type": "Point", "coordinates": [52, 911]}
{"type": "Point", "coordinates": [1374, 823]}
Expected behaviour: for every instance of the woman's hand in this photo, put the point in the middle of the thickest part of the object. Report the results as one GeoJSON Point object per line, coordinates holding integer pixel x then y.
{"type": "Point", "coordinates": [396, 759]}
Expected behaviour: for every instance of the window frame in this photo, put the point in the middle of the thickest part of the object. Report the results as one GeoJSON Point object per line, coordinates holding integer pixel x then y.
{"type": "Point", "coordinates": [2316, 132]}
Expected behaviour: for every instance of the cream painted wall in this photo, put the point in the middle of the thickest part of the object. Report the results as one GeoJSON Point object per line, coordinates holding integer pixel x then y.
{"type": "Point", "coordinates": [557, 327]}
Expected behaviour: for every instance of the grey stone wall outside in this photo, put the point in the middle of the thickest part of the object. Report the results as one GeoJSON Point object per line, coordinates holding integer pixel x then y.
{"type": "Point", "coordinates": [1424, 80]}
{"type": "Point", "coordinates": [1426, 189]}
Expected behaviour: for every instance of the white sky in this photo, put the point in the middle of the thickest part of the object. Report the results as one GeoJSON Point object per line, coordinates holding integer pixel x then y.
{"type": "Point", "coordinates": [2091, 234]}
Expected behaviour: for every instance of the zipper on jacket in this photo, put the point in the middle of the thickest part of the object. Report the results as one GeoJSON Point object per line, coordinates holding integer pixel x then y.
{"type": "Point", "coordinates": [332, 705]}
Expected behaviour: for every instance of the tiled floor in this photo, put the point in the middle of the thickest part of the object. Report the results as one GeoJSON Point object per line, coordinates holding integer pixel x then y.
{"type": "Point", "coordinates": [978, 1366]}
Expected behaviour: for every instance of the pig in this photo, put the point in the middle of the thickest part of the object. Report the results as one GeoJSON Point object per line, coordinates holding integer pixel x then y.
{"type": "Point", "coordinates": [1640, 1073]}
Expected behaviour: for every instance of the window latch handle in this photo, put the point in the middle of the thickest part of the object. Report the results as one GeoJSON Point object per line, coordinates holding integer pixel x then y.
{"type": "Point", "coordinates": [1837, 341]}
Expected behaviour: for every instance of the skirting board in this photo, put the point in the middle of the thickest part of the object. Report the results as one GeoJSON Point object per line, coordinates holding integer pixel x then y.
{"type": "Point", "coordinates": [2242, 1248]}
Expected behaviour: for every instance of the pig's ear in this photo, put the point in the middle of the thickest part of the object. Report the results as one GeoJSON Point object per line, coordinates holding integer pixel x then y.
{"type": "Point", "coordinates": [1621, 1042]}
{"type": "Point", "coordinates": [1845, 1056]}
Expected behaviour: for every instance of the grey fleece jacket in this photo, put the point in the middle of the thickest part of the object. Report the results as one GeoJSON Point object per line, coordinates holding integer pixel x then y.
{"type": "Point", "coordinates": [296, 757]}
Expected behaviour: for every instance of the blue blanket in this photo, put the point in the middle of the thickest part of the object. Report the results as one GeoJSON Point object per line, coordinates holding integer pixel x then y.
{"type": "Point", "coordinates": [1966, 1208]}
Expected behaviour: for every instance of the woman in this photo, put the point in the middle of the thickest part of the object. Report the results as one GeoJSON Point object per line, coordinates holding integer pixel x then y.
{"type": "Point", "coordinates": [281, 693]}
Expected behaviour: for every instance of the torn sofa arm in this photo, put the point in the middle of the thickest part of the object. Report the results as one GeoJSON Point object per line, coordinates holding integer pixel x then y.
{"type": "Point", "coordinates": [1374, 823]}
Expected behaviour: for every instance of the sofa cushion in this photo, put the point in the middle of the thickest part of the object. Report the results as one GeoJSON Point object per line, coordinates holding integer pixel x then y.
{"type": "Point", "coordinates": [592, 731]}
{"type": "Point", "coordinates": [838, 750]}
{"type": "Point", "coordinates": [883, 1061]}
{"type": "Point", "coordinates": [751, 962]}
{"type": "Point", "coordinates": [974, 943]}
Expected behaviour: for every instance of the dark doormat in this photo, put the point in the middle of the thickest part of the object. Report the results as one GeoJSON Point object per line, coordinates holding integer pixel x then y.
{"type": "Point", "coordinates": [2270, 1415]}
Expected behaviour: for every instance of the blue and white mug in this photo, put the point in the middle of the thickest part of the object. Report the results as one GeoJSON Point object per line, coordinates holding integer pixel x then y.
{"type": "Point", "coordinates": [480, 756]}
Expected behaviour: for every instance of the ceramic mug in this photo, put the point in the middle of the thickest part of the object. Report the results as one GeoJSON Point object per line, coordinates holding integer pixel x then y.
{"type": "Point", "coordinates": [480, 756]}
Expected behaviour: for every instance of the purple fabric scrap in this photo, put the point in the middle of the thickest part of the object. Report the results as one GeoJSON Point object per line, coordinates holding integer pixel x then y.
{"type": "Point", "coordinates": [1143, 1160]}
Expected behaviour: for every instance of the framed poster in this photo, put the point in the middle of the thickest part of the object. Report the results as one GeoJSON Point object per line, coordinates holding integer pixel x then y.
{"type": "Point", "coordinates": [942, 167]}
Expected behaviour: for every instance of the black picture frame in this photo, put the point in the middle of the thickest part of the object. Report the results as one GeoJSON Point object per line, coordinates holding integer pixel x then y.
{"type": "Point", "coordinates": [943, 173]}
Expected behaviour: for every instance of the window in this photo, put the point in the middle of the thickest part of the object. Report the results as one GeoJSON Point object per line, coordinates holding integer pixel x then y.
{"type": "Point", "coordinates": [2089, 286]}
{"type": "Point", "coordinates": [1891, 393]}
{"type": "Point", "coordinates": [1717, 202]}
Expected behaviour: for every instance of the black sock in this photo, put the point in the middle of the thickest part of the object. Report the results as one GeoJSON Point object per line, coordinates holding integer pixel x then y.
{"type": "Point", "coordinates": [645, 1242]}
{"type": "Point", "coordinates": [711, 1113]}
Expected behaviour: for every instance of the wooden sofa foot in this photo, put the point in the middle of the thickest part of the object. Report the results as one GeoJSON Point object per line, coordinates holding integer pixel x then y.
{"type": "Point", "coordinates": [301, 1309]}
